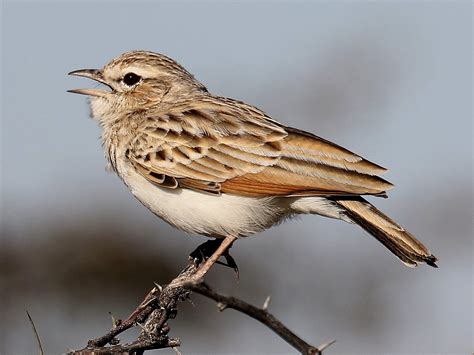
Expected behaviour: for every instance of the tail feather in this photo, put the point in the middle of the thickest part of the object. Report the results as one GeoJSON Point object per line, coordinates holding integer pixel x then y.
{"type": "Point", "coordinates": [401, 243]}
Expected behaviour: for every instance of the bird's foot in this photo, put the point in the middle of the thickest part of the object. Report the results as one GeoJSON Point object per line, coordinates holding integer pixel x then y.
{"type": "Point", "coordinates": [204, 251]}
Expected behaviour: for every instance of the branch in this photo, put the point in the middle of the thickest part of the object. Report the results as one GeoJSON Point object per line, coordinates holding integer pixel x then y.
{"type": "Point", "coordinates": [160, 305]}
{"type": "Point", "coordinates": [260, 314]}
{"type": "Point", "coordinates": [137, 347]}
{"type": "Point", "coordinates": [154, 311]}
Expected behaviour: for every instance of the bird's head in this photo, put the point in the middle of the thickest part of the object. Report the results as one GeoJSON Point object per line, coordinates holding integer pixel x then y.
{"type": "Point", "coordinates": [136, 80]}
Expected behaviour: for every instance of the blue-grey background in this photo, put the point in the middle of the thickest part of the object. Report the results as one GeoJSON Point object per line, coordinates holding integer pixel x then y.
{"type": "Point", "coordinates": [389, 80]}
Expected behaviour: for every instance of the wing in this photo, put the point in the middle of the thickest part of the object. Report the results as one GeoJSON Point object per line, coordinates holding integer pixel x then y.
{"type": "Point", "coordinates": [220, 145]}
{"type": "Point", "coordinates": [202, 144]}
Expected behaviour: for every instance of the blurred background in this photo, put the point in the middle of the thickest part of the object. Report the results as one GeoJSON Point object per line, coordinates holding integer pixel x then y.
{"type": "Point", "coordinates": [388, 80]}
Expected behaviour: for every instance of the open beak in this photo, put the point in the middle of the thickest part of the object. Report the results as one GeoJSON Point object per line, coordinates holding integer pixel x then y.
{"type": "Point", "coordinates": [94, 74]}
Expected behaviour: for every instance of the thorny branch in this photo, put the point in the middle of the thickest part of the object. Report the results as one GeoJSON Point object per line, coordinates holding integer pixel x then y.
{"type": "Point", "coordinates": [260, 314]}
{"type": "Point", "coordinates": [160, 305]}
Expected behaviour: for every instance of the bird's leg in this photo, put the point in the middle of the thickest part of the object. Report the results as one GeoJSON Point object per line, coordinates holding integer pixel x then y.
{"type": "Point", "coordinates": [214, 250]}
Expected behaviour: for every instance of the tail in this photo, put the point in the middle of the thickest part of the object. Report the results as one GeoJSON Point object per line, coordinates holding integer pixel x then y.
{"type": "Point", "coordinates": [401, 243]}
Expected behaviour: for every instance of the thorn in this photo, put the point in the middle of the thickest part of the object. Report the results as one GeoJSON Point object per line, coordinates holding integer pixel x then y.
{"type": "Point", "coordinates": [221, 306]}
{"type": "Point", "coordinates": [266, 303]}
{"type": "Point", "coordinates": [158, 286]}
{"type": "Point", "coordinates": [191, 301]}
{"type": "Point", "coordinates": [176, 350]}
{"type": "Point", "coordinates": [147, 303]}
{"type": "Point", "coordinates": [114, 321]}
{"type": "Point", "coordinates": [322, 347]}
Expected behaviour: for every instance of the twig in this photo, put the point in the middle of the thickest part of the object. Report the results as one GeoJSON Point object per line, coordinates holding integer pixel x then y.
{"type": "Point", "coordinates": [260, 314]}
{"type": "Point", "coordinates": [137, 347]}
{"type": "Point", "coordinates": [160, 305]}
{"type": "Point", "coordinates": [38, 340]}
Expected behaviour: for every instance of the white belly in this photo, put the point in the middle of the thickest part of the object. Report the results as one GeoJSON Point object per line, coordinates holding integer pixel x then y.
{"type": "Point", "coordinates": [202, 213]}
{"type": "Point", "coordinates": [220, 216]}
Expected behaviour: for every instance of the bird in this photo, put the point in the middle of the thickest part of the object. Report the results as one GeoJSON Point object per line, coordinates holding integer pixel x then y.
{"type": "Point", "coordinates": [222, 168]}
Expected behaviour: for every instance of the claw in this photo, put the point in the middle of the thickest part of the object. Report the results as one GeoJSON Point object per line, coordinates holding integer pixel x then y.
{"type": "Point", "coordinates": [232, 264]}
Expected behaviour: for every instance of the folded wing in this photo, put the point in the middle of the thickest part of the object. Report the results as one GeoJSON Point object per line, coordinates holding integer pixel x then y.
{"type": "Point", "coordinates": [230, 147]}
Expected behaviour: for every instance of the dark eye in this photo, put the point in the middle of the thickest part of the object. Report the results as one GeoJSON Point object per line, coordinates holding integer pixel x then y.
{"type": "Point", "coordinates": [131, 79]}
